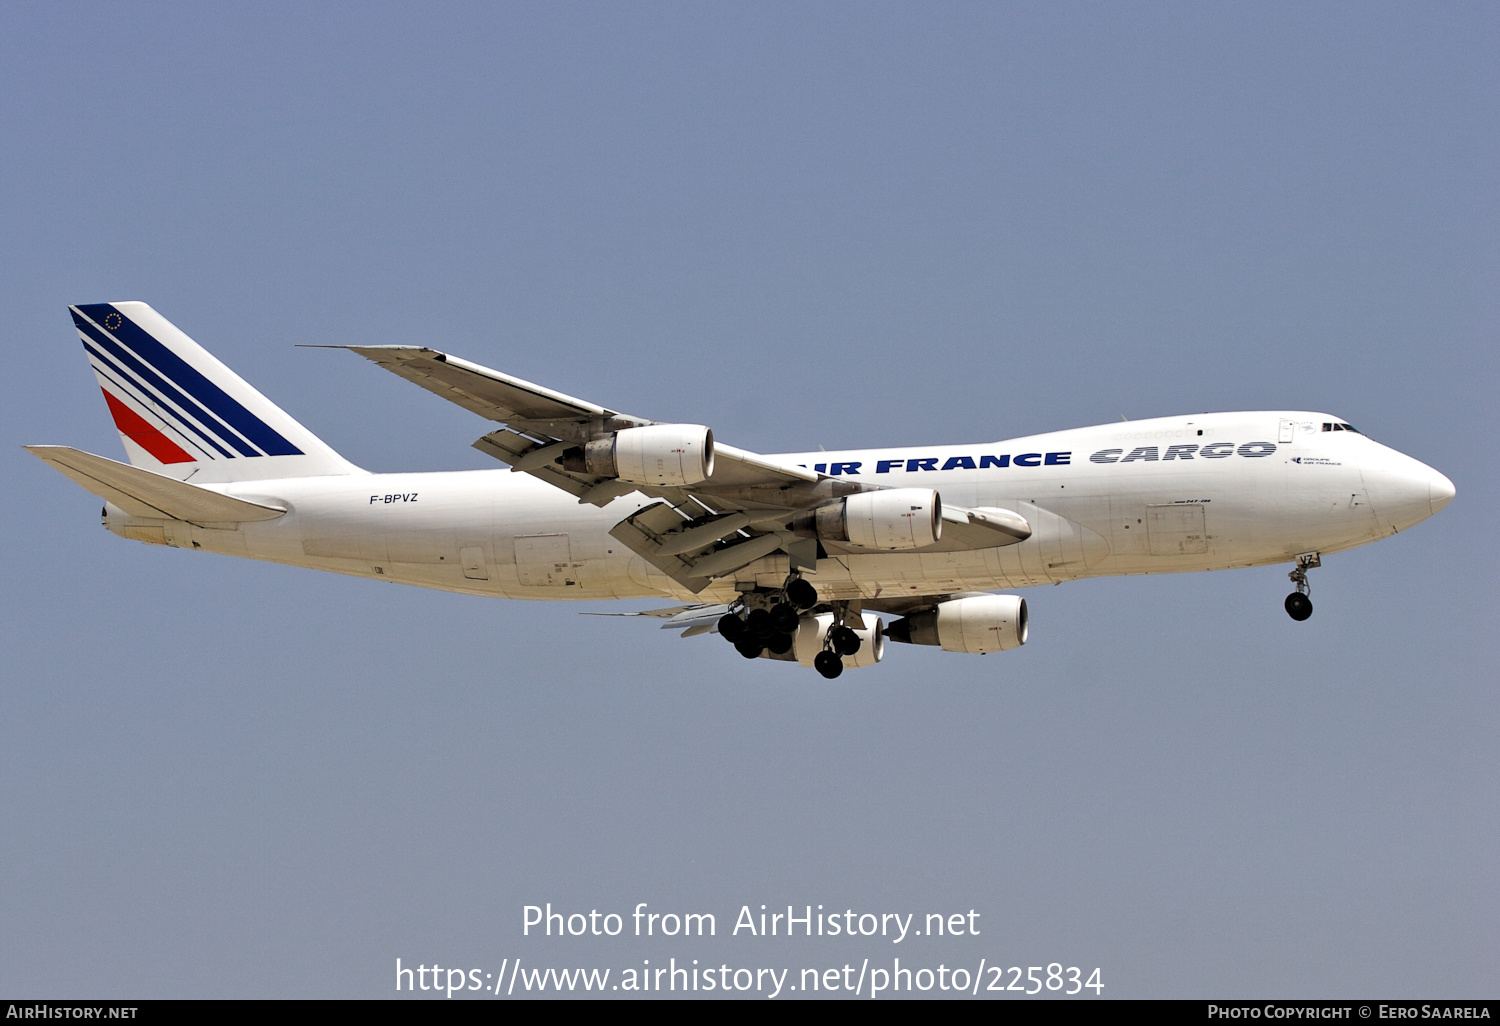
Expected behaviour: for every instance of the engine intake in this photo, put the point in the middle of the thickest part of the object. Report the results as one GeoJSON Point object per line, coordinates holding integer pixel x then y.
{"type": "Point", "coordinates": [665, 455]}
{"type": "Point", "coordinates": [979, 624]}
{"type": "Point", "coordinates": [890, 519]}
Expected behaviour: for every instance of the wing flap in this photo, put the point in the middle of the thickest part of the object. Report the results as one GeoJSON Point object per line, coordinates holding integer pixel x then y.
{"type": "Point", "coordinates": [540, 462]}
{"type": "Point", "coordinates": [641, 532]}
{"type": "Point", "coordinates": [143, 493]}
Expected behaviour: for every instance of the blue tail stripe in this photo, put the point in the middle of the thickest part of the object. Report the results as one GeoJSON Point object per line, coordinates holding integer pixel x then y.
{"type": "Point", "coordinates": [196, 442]}
{"type": "Point", "coordinates": [144, 376]}
{"type": "Point", "coordinates": [145, 379]}
{"type": "Point", "coordinates": [173, 367]}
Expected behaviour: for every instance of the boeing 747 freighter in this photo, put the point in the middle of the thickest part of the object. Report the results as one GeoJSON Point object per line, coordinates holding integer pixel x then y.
{"type": "Point", "coordinates": [794, 556]}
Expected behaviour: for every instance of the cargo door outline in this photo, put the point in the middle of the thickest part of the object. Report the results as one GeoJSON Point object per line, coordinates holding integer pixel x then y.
{"type": "Point", "coordinates": [1176, 530]}
{"type": "Point", "coordinates": [544, 560]}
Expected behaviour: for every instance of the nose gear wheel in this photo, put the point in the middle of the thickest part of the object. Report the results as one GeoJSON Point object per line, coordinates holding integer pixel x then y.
{"type": "Point", "coordinates": [1299, 603]}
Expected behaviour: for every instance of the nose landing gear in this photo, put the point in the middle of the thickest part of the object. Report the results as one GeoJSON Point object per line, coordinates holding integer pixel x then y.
{"type": "Point", "coordinates": [1299, 603]}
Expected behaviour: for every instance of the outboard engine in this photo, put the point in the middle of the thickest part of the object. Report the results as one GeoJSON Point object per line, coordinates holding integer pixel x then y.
{"type": "Point", "coordinates": [666, 455]}
{"type": "Point", "coordinates": [978, 624]}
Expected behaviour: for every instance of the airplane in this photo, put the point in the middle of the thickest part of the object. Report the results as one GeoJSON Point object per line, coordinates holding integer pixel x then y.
{"type": "Point", "coordinates": [793, 556]}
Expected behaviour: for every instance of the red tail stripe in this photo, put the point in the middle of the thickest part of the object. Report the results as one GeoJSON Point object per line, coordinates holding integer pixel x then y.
{"type": "Point", "coordinates": [133, 426]}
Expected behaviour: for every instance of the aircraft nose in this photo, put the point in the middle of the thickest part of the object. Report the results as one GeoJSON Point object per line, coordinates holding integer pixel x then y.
{"type": "Point", "coordinates": [1405, 491]}
{"type": "Point", "coordinates": [1440, 490]}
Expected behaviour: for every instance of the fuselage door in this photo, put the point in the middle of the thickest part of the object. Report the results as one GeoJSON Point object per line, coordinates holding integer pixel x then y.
{"type": "Point", "coordinates": [1176, 530]}
{"type": "Point", "coordinates": [544, 559]}
{"type": "Point", "coordinates": [1287, 428]}
{"type": "Point", "coordinates": [472, 557]}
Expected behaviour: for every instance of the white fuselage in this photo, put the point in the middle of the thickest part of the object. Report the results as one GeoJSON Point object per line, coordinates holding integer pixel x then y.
{"type": "Point", "coordinates": [1172, 494]}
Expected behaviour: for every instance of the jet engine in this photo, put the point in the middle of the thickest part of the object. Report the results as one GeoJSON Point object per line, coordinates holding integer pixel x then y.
{"type": "Point", "coordinates": [812, 630]}
{"type": "Point", "coordinates": [665, 455]}
{"type": "Point", "coordinates": [891, 519]}
{"type": "Point", "coordinates": [979, 624]}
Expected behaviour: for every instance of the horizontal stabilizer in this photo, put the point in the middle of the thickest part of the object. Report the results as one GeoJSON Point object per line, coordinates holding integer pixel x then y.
{"type": "Point", "coordinates": [676, 618]}
{"type": "Point", "coordinates": [143, 493]}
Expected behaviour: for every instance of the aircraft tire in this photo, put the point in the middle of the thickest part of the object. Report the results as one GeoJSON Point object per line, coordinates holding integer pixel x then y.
{"type": "Point", "coordinates": [802, 594]}
{"type": "Point", "coordinates": [780, 644]}
{"type": "Point", "coordinates": [758, 623]}
{"type": "Point", "coordinates": [731, 628]}
{"type": "Point", "coordinates": [828, 664]}
{"type": "Point", "coordinates": [1298, 606]}
{"type": "Point", "coordinates": [784, 617]}
{"type": "Point", "coordinates": [749, 647]}
{"type": "Point", "coordinates": [845, 641]}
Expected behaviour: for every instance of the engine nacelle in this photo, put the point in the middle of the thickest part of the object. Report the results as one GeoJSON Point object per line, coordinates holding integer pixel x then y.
{"type": "Point", "coordinates": [979, 624]}
{"type": "Point", "coordinates": [813, 629]}
{"type": "Point", "coordinates": [662, 454]}
{"type": "Point", "coordinates": [890, 519]}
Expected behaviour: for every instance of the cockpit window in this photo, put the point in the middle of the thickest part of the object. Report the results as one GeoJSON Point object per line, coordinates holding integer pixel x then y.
{"type": "Point", "coordinates": [1340, 427]}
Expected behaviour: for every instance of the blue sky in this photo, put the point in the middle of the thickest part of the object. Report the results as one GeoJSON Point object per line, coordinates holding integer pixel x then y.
{"type": "Point", "coordinates": [838, 225]}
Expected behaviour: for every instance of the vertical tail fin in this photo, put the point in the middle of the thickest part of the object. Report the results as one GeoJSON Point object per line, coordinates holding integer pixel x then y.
{"type": "Point", "coordinates": [184, 414]}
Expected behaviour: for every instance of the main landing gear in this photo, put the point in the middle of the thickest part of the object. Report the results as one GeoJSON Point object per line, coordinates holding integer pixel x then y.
{"type": "Point", "coordinates": [839, 642]}
{"type": "Point", "coordinates": [770, 626]}
{"type": "Point", "coordinates": [768, 621]}
{"type": "Point", "coordinates": [1299, 603]}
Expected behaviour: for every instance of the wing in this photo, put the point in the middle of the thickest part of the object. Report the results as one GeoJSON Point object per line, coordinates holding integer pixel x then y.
{"type": "Point", "coordinates": [498, 397]}
{"type": "Point", "coordinates": [541, 425]}
{"type": "Point", "coordinates": [720, 509]}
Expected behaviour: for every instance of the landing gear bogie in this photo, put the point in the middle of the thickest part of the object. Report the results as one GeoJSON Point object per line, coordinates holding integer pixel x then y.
{"type": "Point", "coordinates": [758, 626]}
{"type": "Point", "coordinates": [784, 624]}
